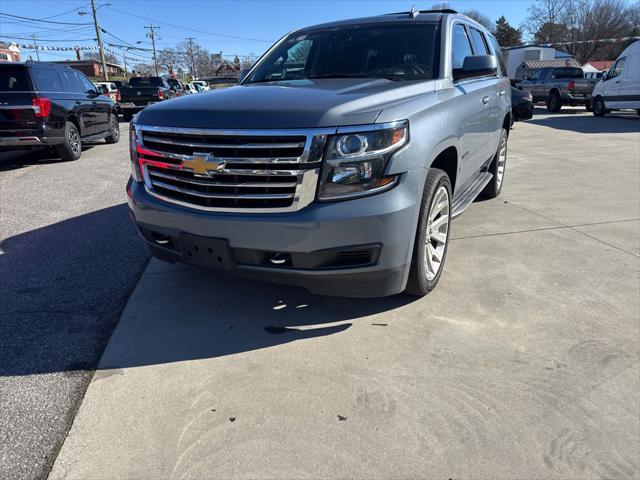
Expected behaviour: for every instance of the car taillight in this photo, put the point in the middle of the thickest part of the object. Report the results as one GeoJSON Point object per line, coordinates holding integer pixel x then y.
{"type": "Point", "coordinates": [160, 94]}
{"type": "Point", "coordinates": [41, 107]}
{"type": "Point", "coordinates": [571, 85]}
{"type": "Point", "coordinates": [118, 97]}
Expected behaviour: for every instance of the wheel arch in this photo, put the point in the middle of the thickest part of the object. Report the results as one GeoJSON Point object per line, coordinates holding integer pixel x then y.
{"type": "Point", "coordinates": [447, 160]}
{"type": "Point", "coordinates": [73, 119]}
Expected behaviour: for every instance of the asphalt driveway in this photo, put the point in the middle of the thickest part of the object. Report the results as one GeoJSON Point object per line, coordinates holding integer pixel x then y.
{"type": "Point", "coordinates": [524, 363]}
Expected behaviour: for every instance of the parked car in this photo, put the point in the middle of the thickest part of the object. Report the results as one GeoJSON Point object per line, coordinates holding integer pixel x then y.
{"type": "Point", "coordinates": [119, 83]}
{"type": "Point", "coordinates": [176, 86]}
{"type": "Point", "coordinates": [189, 88]}
{"type": "Point", "coordinates": [141, 92]}
{"type": "Point", "coordinates": [620, 87]}
{"type": "Point", "coordinates": [111, 90]}
{"type": "Point", "coordinates": [558, 86]}
{"type": "Point", "coordinates": [521, 105]}
{"type": "Point", "coordinates": [337, 164]}
{"type": "Point", "coordinates": [50, 105]}
{"type": "Point", "coordinates": [199, 88]}
{"type": "Point", "coordinates": [201, 83]}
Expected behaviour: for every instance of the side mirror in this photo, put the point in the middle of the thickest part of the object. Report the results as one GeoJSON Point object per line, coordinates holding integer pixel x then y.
{"type": "Point", "coordinates": [243, 73]}
{"type": "Point", "coordinates": [92, 93]}
{"type": "Point", "coordinates": [605, 76]}
{"type": "Point", "coordinates": [476, 66]}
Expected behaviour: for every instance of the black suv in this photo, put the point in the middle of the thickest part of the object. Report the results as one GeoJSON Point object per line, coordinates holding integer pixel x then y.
{"type": "Point", "coordinates": [44, 104]}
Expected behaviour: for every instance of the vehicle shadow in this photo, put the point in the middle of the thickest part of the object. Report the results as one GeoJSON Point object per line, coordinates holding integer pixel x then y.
{"type": "Point", "coordinates": [617, 122]}
{"type": "Point", "coordinates": [12, 160]}
{"type": "Point", "coordinates": [63, 288]}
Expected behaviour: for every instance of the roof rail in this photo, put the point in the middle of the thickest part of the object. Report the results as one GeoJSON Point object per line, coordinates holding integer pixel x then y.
{"type": "Point", "coordinates": [413, 12]}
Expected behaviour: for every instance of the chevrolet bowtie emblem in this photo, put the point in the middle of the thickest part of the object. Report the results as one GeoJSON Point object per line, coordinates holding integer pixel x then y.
{"type": "Point", "coordinates": [202, 163]}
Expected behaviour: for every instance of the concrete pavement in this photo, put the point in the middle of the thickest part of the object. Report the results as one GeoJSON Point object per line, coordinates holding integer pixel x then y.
{"type": "Point", "coordinates": [523, 363]}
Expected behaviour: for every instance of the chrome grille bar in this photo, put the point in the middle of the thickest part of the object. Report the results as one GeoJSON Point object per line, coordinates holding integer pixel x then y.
{"type": "Point", "coordinates": [240, 196]}
{"type": "Point", "coordinates": [155, 139]}
{"type": "Point", "coordinates": [213, 183]}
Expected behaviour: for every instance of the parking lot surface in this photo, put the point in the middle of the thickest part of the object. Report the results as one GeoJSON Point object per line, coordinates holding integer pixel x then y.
{"type": "Point", "coordinates": [523, 363]}
{"type": "Point", "coordinates": [69, 258]}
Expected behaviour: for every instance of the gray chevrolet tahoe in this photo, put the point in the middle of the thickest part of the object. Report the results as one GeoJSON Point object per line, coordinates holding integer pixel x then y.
{"type": "Point", "coordinates": [337, 163]}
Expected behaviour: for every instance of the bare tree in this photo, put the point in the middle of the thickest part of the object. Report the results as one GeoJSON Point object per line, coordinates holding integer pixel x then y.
{"type": "Point", "coordinates": [543, 12]}
{"type": "Point", "coordinates": [109, 57]}
{"type": "Point", "coordinates": [481, 18]}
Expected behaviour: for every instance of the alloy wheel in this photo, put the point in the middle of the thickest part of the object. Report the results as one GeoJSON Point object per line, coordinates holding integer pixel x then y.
{"type": "Point", "coordinates": [502, 160]}
{"type": "Point", "coordinates": [437, 232]}
{"type": "Point", "coordinates": [74, 141]}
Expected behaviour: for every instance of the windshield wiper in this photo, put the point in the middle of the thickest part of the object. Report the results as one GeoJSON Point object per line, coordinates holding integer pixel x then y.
{"type": "Point", "coordinates": [394, 78]}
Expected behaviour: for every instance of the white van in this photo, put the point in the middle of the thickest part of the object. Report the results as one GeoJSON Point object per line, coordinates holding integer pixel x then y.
{"type": "Point", "coordinates": [620, 86]}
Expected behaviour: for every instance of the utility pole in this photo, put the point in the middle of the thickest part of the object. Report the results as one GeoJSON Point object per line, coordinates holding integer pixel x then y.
{"type": "Point", "coordinates": [153, 42]}
{"type": "Point", "coordinates": [124, 56]}
{"type": "Point", "coordinates": [105, 74]}
{"type": "Point", "coordinates": [193, 63]}
{"type": "Point", "coordinates": [35, 45]}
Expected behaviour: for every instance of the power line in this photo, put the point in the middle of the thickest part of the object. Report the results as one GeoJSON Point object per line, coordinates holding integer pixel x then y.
{"type": "Point", "coordinates": [191, 29]}
{"type": "Point", "coordinates": [51, 39]}
{"type": "Point", "coordinates": [41, 20]}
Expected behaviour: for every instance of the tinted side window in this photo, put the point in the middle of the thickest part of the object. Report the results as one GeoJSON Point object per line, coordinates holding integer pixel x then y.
{"type": "Point", "coordinates": [479, 47]}
{"type": "Point", "coordinates": [46, 80]}
{"type": "Point", "coordinates": [497, 52]}
{"type": "Point", "coordinates": [71, 82]}
{"type": "Point", "coordinates": [87, 85]}
{"type": "Point", "coordinates": [460, 46]}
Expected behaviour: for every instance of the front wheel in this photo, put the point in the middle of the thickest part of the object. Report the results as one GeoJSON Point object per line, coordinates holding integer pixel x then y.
{"type": "Point", "coordinates": [114, 130]}
{"type": "Point", "coordinates": [599, 108]}
{"type": "Point", "coordinates": [432, 235]}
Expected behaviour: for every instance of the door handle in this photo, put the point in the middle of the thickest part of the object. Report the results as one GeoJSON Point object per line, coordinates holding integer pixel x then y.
{"type": "Point", "coordinates": [485, 100]}
{"type": "Point", "coordinates": [78, 102]}
{"type": "Point", "coordinates": [501, 93]}
{"type": "Point", "coordinates": [617, 81]}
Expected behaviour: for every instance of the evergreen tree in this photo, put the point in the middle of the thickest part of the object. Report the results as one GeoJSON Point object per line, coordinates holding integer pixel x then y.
{"type": "Point", "coordinates": [506, 35]}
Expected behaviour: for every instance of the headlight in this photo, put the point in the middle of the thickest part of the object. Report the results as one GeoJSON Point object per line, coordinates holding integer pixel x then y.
{"type": "Point", "coordinates": [356, 160]}
{"type": "Point", "coordinates": [133, 153]}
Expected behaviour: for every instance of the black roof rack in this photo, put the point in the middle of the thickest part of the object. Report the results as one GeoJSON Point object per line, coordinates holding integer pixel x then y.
{"type": "Point", "coordinates": [412, 12]}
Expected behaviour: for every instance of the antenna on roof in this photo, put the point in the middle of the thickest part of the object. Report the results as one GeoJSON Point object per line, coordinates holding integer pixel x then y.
{"type": "Point", "coordinates": [414, 13]}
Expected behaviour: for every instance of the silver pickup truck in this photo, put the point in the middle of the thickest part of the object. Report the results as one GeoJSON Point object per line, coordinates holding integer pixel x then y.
{"type": "Point", "coordinates": [558, 86]}
{"type": "Point", "coordinates": [337, 163]}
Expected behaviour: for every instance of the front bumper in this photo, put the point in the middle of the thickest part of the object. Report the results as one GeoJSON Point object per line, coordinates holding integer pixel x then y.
{"type": "Point", "coordinates": [386, 221]}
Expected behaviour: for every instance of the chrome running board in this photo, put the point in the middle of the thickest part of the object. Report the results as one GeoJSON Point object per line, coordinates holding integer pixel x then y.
{"type": "Point", "coordinates": [463, 198]}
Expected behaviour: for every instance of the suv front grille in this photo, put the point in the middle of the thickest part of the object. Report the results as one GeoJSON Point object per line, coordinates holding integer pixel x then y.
{"type": "Point", "coordinates": [250, 170]}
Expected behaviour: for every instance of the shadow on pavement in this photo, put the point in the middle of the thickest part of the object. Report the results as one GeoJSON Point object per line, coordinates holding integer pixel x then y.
{"type": "Point", "coordinates": [12, 160]}
{"type": "Point", "coordinates": [186, 313]}
{"type": "Point", "coordinates": [63, 287]}
{"type": "Point", "coordinates": [617, 122]}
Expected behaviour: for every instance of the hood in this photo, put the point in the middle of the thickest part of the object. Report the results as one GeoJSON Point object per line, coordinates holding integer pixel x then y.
{"type": "Point", "coordinates": [292, 104]}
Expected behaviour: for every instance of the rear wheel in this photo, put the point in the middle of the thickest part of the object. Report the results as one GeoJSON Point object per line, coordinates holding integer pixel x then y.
{"type": "Point", "coordinates": [599, 108]}
{"type": "Point", "coordinates": [554, 102]}
{"type": "Point", "coordinates": [588, 107]}
{"type": "Point", "coordinates": [71, 149]}
{"type": "Point", "coordinates": [497, 168]}
{"type": "Point", "coordinates": [432, 235]}
{"type": "Point", "coordinates": [114, 130]}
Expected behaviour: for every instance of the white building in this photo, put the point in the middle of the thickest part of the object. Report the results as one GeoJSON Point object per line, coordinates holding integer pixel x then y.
{"type": "Point", "coordinates": [515, 56]}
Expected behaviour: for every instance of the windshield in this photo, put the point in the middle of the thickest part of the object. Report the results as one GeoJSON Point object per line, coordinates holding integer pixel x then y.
{"type": "Point", "coordinates": [393, 51]}
{"type": "Point", "coordinates": [146, 82]}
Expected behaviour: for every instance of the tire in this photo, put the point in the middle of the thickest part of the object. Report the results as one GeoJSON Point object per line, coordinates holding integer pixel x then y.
{"type": "Point", "coordinates": [599, 108]}
{"type": "Point", "coordinates": [554, 102]}
{"type": "Point", "coordinates": [638, 112]}
{"type": "Point", "coordinates": [497, 168]}
{"type": "Point", "coordinates": [71, 149]}
{"type": "Point", "coordinates": [127, 117]}
{"type": "Point", "coordinates": [427, 263]}
{"type": "Point", "coordinates": [114, 130]}
{"type": "Point", "coordinates": [588, 107]}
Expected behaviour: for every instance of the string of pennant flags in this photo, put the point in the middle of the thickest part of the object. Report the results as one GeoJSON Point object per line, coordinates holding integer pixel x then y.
{"type": "Point", "coordinates": [28, 46]}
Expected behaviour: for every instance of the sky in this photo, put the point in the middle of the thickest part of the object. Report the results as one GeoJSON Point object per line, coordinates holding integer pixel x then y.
{"type": "Point", "coordinates": [240, 27]}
